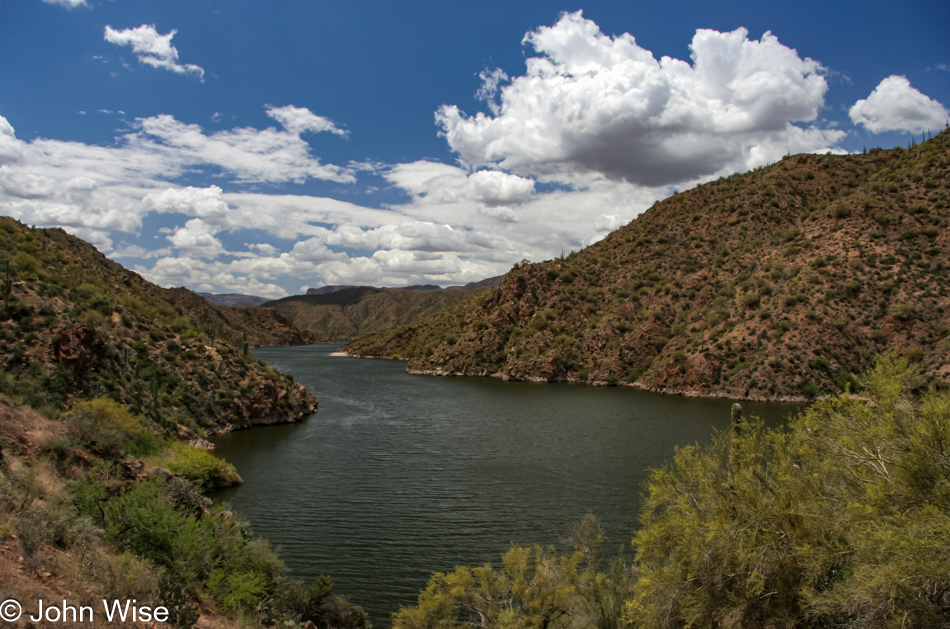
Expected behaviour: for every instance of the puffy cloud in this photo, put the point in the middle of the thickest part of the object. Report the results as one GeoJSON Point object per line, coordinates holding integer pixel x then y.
{"type": "Point", "coordinates": [205, 203]}
{"type": "Point", "coordinates": [11, 149]}
{"type": "Point", "coordinates": [197, 239]}
{"type": "Point", "coordinates": [602, 105]}
{"type": "Point", "coordinates": [492, 187]}
{"type": "Point", "coordinates": [435, 182]}
{"type": "Point", "coordinates": [896, 106]}
{"type": "Point", "coordinates": [299, 120]}
{"type": "Point", "coordinates": [402, 268]}
{"type": "Point", "coordinates": [313, 250]}
{"type": "Point", "coordinates": [595, 131]}
{"type": "Point", "coordinates": [152, 49]}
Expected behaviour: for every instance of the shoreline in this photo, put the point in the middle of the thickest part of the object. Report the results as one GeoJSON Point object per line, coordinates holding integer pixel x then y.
{"type": "Point", "coordinates": [793, 399]}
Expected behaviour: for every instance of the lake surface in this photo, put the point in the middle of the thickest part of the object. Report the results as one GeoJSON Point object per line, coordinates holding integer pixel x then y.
{"type": "Point", "coordinates": [399, 476]}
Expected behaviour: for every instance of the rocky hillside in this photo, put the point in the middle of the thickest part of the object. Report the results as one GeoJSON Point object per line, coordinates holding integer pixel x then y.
{"type": "Point", "coordinates": [237, 325]}
{"type": "Point", "coordinates": [779, 283]}
{"type": "Point", "coordinates": [74, 324]}
{"type": "Point", "coordinates": [351, 311]}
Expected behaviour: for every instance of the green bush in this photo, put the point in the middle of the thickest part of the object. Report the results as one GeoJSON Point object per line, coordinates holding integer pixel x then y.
{"type": "Point", "coordinates": [842, 520]}
{"type": "Point", "coordinates": [195, 549]}
{"type": "Point", "coordinates": [198, 466]}
{"type": "Point", "coordinates": [109, 427]}
{"type": "Point", "coordinates": [749, 300]}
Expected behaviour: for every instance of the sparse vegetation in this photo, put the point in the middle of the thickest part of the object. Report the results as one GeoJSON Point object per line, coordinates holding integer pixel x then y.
{"type": "Point", "coordinates": [668, 301]}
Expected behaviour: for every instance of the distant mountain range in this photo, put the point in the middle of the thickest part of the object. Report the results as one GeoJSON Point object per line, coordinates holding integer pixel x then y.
{"type": "Point", "coordinates": [349, 311]}
{"type": "Point", "coordinates": [343, 311]}
{"type": "Point", "coordinates": [780, 283]}
{"type": "Point", "coordinates": [234, 299]}
{"type": "Point", "coordinates": [491, 281]}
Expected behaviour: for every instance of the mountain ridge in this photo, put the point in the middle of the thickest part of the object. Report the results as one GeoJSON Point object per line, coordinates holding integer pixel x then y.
{"type": "Point", "coordinates": [354, 310]}
{"type": "Point", "coordinates": [779, 283]}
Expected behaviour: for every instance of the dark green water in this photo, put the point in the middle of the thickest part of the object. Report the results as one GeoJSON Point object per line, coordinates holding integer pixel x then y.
{"type": "Point", "coordinates": [399, 476]}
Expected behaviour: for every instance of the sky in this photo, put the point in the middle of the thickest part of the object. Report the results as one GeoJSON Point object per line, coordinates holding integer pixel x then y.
{"type": "Point", "coordinates": [239, 146]}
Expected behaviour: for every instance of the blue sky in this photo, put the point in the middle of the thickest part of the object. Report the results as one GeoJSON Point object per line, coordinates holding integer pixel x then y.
{"type": "Point", "coordinates": [269, 146]}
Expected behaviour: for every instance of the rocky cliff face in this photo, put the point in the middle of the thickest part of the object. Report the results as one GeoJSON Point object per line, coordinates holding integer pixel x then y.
{"type": "Point", "coordinates": [775, 284]}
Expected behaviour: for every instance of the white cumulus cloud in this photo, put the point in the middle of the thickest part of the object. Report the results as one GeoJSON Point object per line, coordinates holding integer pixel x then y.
{"type": "Point", "coordinates": [11, 149]}
{"type": "Point", "coordinates": [204, 203]}
{"type": "Point", "coordinates": [895, 105]}
{"type": "Point", "coordinates": [152, 49]}
{"type": "Point", "coordinates": [435, 182]}
{"type": "Point", "coordinates": [197, 239]}
{"type": "Point", "coordinates": [596, 104]}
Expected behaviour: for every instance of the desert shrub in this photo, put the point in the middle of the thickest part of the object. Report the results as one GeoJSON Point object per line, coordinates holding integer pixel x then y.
{"type": "Point", "coordinates": [841, 520]}
{"type": "Point", "coordinates": [906, 311]}
{"type": "Point", "coordinates": [214, 551]}
{"type": "Point", "coordinates": [109, 427]}
{"type": "Point", "coordinates": [841, 211]}
{"type": "Point", "coordinates": [845, 381]}
{"type": "Point", "coordinates": [749, 300]}
{"type": "Point", "coordinates": [533, 587]}
{"type": "Point", "coordinates": [198, 466]}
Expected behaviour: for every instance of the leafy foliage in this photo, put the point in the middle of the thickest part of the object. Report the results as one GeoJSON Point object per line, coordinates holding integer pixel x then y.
{"type": "Point", "coordinates": [198, 466]}
{"type": "Point", "coordinates": [840, 521]}
{"type": "Point", "coordinates": [109, 427]}
{"type": "Point", "coordinates": [534, 588]}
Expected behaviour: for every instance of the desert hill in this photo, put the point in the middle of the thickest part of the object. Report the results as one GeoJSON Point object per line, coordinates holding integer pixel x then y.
{"type": "Point", "coordinates": [74, 325]}
{"type": "Point", "coordinates": [780, 283]}
{"type": "Point", "coordinates": [237, 324]}
{"type": "Point", "coordinates": [354, 310]}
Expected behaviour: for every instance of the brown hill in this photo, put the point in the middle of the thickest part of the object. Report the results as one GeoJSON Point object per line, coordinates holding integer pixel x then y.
{"type": "Point", "coordinates": [74, 324]}
{"type": "Point", "coordinates": [256, 325]}
{"type": "Point", "coordinates": [779, 283]}
{"type": "Point", "coordinates": [356, 310]}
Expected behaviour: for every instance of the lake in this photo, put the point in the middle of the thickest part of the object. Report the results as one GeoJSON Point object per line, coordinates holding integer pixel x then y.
{"type": "Point", "coordinates": [399, 476]}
